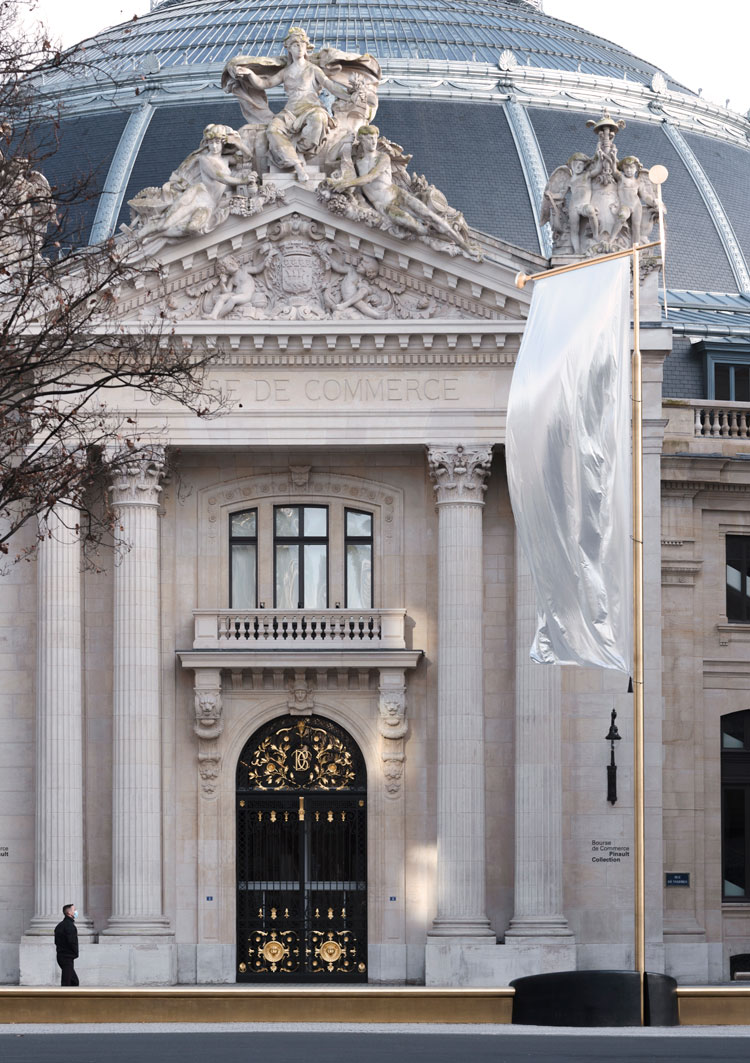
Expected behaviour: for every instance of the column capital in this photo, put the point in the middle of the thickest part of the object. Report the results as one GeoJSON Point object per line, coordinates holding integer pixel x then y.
{"type": "Point", "coordinates": [135, 480]}
{"type": "Point", "coordinates": [460, 473]}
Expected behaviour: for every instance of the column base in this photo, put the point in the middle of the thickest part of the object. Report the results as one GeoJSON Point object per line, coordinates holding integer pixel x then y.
{"type": "Point", "coordinates": [462, 928]}
{"type": "Point", "coordinates": [44, 926]}
{"type": "Point", "coordinates": [536, 928]}
{"type": "Point", "coordinates": [130, 928]}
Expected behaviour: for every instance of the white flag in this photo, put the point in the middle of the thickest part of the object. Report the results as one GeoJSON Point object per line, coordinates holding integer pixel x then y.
{"type": "Point", "coordinates": [569, 470]}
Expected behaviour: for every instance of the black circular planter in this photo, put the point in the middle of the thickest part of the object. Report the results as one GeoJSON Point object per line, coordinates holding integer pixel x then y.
{"type": "Point", "coordinates": [594, 998]}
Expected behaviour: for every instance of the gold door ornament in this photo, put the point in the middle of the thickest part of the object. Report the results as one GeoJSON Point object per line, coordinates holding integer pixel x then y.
{"type": "Point", "coordinates": [334, 953]}
{"type": "Point", "coordinates": [273, 952]}
{"type": "Point", "coordinates": [308, 754]}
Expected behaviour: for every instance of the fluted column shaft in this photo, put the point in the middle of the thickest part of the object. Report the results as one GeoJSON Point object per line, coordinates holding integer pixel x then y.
{"type": "Point", "coordinates": [459, 477]}
{"type": "Point", "coordinates": [136, 772]}
{"type": "Point", "coordinates": [538, 868]}
{"type": "Point", "coordinates": [58, 864]}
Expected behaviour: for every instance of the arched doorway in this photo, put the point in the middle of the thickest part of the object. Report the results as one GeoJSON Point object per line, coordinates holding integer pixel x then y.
{"type": "Point", "coordinates": [301, 854]}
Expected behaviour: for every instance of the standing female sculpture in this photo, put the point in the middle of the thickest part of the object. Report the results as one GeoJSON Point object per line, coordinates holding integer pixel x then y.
{"type": "Point", "coordinates": [302, 126]}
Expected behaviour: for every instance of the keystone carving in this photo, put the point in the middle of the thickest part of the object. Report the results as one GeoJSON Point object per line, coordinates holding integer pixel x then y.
{"type": "Point", "coordinates": [301, 700]}
{"type": "Point", "coordinates": [459, 474]}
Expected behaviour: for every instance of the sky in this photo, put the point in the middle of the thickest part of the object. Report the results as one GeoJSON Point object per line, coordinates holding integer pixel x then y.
{"type": "Point", "coordinates": [702, 45]}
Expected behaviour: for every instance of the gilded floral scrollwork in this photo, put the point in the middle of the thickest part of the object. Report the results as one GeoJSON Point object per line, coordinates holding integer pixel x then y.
{"type": "Point", "coordinates": [301, 755]}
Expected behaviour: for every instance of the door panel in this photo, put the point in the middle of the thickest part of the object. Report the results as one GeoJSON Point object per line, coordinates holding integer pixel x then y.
{"type": "Point", "coordinates": [301, 863]}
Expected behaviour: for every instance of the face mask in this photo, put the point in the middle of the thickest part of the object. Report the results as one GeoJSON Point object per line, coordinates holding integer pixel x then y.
{"type": "Point", "coordinates": [75, 913]}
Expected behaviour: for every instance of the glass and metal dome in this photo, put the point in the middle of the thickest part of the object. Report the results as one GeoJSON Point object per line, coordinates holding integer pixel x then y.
{"type": "Point", "coordinates": [489, 96]}
{"type": "Point", "coordinates": [189, 32]}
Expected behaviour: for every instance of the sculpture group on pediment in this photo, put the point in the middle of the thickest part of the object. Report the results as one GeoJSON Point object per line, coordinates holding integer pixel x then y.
{"type": "Point", "coordinates": [304, 130]}
{"type": "Point", "coordinates": [200, 194]}
{"type": "Point", "coordinates": [26, 212]}
{"type": "Point", "coordinates": [598, 204]}
{"type": "Point", "coordinates": [374, 186]}
{"type": "Point", "coordinates": [296, 274]}
{"type": "Point", "coordinates": [358, 174]}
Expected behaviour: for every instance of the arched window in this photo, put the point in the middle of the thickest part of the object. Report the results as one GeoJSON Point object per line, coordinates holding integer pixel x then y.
{"type": "Point", "coordinates": [735, 805]}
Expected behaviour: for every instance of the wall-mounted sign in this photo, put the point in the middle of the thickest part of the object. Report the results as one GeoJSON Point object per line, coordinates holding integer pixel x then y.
{"type": "Point", "coordinates": [678, 878]}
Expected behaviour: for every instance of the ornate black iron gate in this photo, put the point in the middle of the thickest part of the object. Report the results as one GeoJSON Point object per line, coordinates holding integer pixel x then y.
{"type": "Point", "coordinates": [301, 854]}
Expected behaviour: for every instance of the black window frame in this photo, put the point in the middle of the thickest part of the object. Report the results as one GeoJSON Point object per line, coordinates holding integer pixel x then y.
{"type": "Point", "coordinates": [717, 354]}
{"type": "Point", "coordinates": [737, 548]}
{"type": "Point", "coordinates": [300, 541]}
{"type": "Point", "coordinates": [359, 539]}
{"type": "Point", "coordinates": [735, 775]}
{"type": "Point", "coordinates": [242, 540]}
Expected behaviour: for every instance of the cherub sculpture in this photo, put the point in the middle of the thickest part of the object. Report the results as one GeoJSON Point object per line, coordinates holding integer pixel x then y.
{"type": "Point", "coordinates": [303, 126]}
{"type": "Point", "coordinates": [574, 181]}
{"type": "Point", "coordinates": [236, 283]}
{"type": "Point", "coordinates": [638, 199]}
{"type": "Point", "coordinates": [196, 198]}
{"type": "Point", "coordinates": [27, 210]}
{"type": "Point", "coordinates": [599, 204]}
{"type": "Point", "coordinates": [380, 177]}
{"type": "Point", "coordinates": [356, 290]}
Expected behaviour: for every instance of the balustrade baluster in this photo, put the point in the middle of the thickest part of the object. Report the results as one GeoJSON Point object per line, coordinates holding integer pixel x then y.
{"type": "Point", "coordinates": [724, 422]}
{"type": "Point", "coordinates": [743, 425]}
{"type": "Point", "coordinates": [698, 421]}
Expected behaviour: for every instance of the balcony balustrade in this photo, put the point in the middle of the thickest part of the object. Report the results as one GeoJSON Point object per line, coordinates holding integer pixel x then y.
{"type": "Point", "coordinates": [314, 629]}
{"type": "Point", "coordinates": [726, 420]}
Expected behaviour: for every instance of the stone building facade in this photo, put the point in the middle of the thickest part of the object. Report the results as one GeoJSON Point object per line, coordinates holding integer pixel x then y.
{"type": "Point", "coordinates": [335, 555]}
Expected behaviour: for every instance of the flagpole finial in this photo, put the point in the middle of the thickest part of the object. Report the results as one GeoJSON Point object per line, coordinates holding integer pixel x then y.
{"type": "Point", "coordinates": [658, 174]}
{"type": "Point", "coordinates": [521, 279]}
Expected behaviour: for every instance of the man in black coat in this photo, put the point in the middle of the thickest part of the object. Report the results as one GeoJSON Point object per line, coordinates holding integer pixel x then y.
{"type": "Point", "coordinates": [66, 943]}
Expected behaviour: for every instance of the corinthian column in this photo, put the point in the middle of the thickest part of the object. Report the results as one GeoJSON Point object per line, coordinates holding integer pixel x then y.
{"type": "Point", "coordinates": [459, 476]}
{"type": "Point", "coordinates": [538, 869]}
{"type": "Point", "coordinates": [136, 771]}
{"type": "Point", "coordinates": [58, 866]}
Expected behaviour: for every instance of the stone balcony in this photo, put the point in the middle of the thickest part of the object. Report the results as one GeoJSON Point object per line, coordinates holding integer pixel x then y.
{"type": "Point", "coordinates": [232, 629]}
{"type": "Point", "coordinates": [356, 638]}
{"type": "Point", "coordinates": [707, 426]}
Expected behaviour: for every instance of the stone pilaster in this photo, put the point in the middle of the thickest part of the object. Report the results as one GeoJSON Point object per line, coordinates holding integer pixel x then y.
{"type": "Point", "coordinates": [136, 772]}
{"type": "Point", "coordinates": [538, 859]}
{"type": "Point", "coordinates": [58, 864]}
{"type": "Point", "coordinates": [459, 476]}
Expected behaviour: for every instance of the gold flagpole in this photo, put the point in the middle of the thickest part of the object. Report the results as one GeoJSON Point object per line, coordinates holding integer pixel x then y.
{"type": "Point", "coordinates": [657, 174]}
{"type": "Point", "coordinates": [639, 811]}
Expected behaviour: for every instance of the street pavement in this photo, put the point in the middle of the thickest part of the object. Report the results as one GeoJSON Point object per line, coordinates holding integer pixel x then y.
{"type": "Point", "coordinates": [326, 1043]}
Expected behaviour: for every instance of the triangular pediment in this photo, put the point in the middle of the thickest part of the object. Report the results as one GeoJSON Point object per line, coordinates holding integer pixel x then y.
{"type": "Point", "coordinates": [295, 261]}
